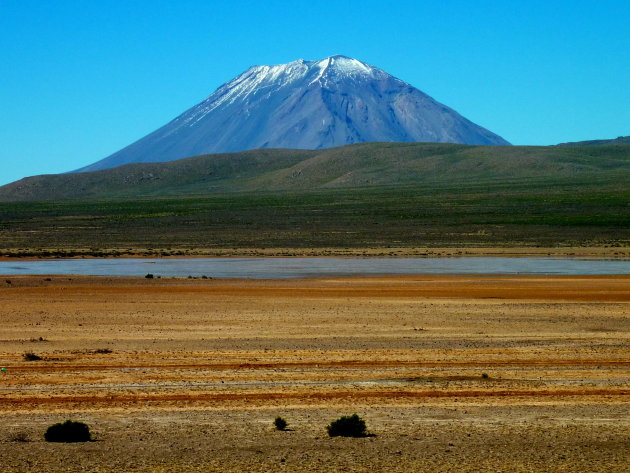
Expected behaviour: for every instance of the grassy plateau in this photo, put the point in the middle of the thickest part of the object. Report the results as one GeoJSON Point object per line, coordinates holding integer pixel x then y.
{"type": "Point", "coordinates": [361, 196]}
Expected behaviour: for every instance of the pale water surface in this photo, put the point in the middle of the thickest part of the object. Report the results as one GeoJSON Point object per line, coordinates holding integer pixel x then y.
{"type": "Point", "coordinates": [281, 268]}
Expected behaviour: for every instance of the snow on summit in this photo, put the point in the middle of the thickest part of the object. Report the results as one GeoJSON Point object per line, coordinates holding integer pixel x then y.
{"type": "Point", "coordinates": [284, 74]}
{"type": "Point", "coordinates": [303, 104]}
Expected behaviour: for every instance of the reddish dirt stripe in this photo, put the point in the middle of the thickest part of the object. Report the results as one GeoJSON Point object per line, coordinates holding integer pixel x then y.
{"type": "Point", "coordinates": [124, 398]}
{"type": "Point", "coordinates": [311, 364]}
{"type": "Point", "coordinates": [574, 288]}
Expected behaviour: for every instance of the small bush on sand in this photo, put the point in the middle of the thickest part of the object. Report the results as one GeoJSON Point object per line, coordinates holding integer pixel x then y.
{"type": "Point", "coordinates": [102, 351]}
{"type": "Point", "coordinates": [68, 432]}
{"type": "Point", "coordinates": [280, 423]}
{"type": "Point", "coordinates": [19, 437]}
{"type": "Point", "coordinates": [30, 356]}
{"type": "Point", "coordinates": [149, 276]}
{"type": "Point", "coordinates": [347, 426]}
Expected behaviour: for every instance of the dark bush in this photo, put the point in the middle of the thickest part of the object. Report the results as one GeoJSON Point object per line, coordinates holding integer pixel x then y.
{"type": "Point", "coordinates": [149, 276]}
{"type": "Point", "coordinates": [68, 432]}
{"type": "Point", "coordinates": [280, 423]}
{"type": "Point", "coordinates": [19, 437]}
{"type": "Point", "coordinates": [347, 426]}
{"type": "Point", "coordinates": [102, 351]}
{"type": "Point", "coordinates": [30, 356]}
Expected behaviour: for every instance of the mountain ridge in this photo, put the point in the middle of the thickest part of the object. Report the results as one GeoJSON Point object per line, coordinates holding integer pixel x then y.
{"type": "Point", "coordinates": [352, 166]}
{"type": "Point", "coordinates": [608, 141]}
{"type": "Point", "coordinates": [304, 105]}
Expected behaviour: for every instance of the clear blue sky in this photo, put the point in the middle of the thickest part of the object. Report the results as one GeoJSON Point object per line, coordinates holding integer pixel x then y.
{"type": "Point", "coordinates": [80, 79]}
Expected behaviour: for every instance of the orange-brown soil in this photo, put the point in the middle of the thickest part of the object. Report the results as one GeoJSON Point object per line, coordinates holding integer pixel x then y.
{"type": "Point", "coordinates": [450, 373]}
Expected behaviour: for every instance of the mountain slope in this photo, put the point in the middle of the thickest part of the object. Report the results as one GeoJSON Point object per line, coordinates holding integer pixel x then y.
{"type": "Point", "coordinates": [304, 105]}
{"type": "Point", "coordinates": [618, 140]}
{"type": "Point", "coordinates": [354, 166]}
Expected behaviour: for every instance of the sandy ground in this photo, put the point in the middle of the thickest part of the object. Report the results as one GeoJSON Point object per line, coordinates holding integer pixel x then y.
{"type": "Point", "coordinates": [188, 374]}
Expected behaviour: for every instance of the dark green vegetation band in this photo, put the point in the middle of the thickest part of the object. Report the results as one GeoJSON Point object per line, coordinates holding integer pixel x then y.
{"type": "Point", "coordinates": [374, 195]}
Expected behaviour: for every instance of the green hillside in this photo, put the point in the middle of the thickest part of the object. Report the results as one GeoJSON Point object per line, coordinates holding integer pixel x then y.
{"type": "Point", "coordinates": [362, 165]}
{"type": "Point", "coordinates": [618, 140]}
{"type": "Point", "coordinates": [360, 196]}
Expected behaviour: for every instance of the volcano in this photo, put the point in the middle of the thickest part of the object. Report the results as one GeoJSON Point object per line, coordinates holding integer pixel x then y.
{"type": "Point", "coordinates": [304, 105]}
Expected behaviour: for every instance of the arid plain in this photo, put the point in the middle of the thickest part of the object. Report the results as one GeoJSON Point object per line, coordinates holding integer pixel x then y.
{"type": "Point", "coordinates": [453, 373]}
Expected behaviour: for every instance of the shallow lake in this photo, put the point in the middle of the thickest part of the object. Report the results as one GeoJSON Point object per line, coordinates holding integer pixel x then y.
{"type": "Point", "coordinates": [281, 268]}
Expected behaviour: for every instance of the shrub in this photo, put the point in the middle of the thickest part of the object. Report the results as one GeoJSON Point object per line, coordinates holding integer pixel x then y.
{"type": "Point", "coordinates": [68, 432]}
{"type": "Point", "coordinates": [103, 351]}
{"type": "Point", "coordinates": [347, 426]}
{"type": "Point", "coordinates": [30, 356]}
{"type": "Point", "coordinates": [485, 375]}
{"type": "Point", "coordinates": [19, 437]}
{"type": "Point", "coordinates": [280, 423]}
{"type": "Point", "coordinates": [149, 276]}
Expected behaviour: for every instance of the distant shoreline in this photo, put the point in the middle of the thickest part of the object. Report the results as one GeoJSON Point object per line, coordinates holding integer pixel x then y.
{"type": "Point", "coordinates": [619, 253]}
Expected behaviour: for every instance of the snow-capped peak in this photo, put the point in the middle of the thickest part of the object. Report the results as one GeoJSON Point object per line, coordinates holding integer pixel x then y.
{"type": "Point", "coordinates": [349, 66]}
{"type": "Point", "coordinates": [283, 74]}
{"type": "Point", "coordinates": [272, 78]}
{"type": "Point", "coordinates": [345, 67]}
